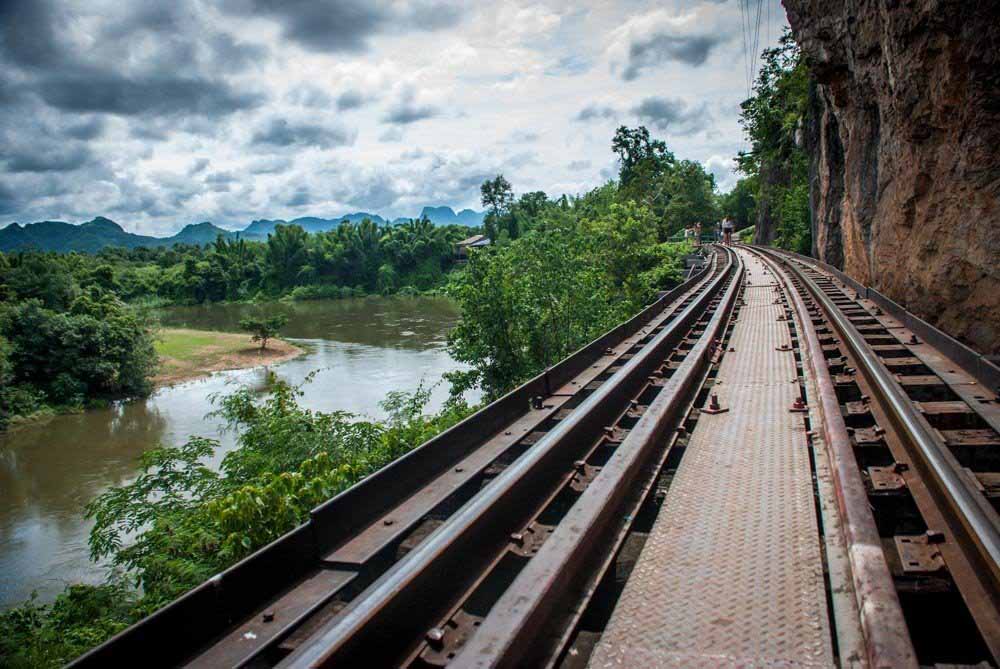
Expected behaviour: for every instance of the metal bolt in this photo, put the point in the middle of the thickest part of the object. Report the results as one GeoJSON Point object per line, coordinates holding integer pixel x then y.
{"type": "Point", "coordinates": [935, 537]}
{"type": "Point", "coordinates": [435, 637]}
{"type": "Point", "coordinates": [517, 538]}
{"type": "Point", "coordinates": [268, 616]}
{"type": "Point", "coordinates": [459, 470]}
{"type": "Point", "coordinates": [388, 521]}
{"type": "Point", "coordinates": [579, 465]}
{"type": "Point", "coordinates": [914, 340]}
{"type": "Point", "coordinates": [714, 403]}
{"type": "Point", "coordinates": [900, 467]}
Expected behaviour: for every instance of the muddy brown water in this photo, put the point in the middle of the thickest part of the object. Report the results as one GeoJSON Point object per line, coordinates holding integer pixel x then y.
{"type": "Point", "coordinates": [359, 349]}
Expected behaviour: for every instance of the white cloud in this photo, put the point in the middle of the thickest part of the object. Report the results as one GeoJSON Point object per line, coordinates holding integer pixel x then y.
{"type": "Point", "coordinates": [403, 114]}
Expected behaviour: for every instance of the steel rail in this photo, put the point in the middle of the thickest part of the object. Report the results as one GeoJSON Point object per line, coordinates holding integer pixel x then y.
{"type": "Point", "coordinates": [512, 633]}
{"type": "Point", "coordinates": [394, 609]}
{"type": "Point", "coordinates": [203, 617]}
{"type": "Point", "coordinates": [887, 641]}
{"type": "Point", "coordinates": [976, 521]}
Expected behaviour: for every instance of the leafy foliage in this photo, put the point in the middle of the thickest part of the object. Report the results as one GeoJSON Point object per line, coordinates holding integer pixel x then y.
{"type": "Point", "coordinates": [581, 266]}
{"type": "Point", "coordinates": [179, 522]}
{"type": "Point", "coordinates": [679, 194]}
{"type": "Point", "coordinates": [93, 348]}
{"type": "Point", "coordinates": [263, 327]}
{"type": "Point", "coordinates": [776, 166]}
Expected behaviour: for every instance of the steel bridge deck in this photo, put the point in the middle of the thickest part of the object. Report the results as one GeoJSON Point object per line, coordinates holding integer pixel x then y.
{"type": "Point", "coordinates": [732, 572]}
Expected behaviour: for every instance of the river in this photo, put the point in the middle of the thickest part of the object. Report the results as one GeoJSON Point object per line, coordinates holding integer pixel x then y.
{"type": "Point", "coordinates": [360, 349]}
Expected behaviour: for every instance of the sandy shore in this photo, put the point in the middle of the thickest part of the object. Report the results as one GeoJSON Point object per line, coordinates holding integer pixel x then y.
{"type": "Point", "coordinates": [191, 354]}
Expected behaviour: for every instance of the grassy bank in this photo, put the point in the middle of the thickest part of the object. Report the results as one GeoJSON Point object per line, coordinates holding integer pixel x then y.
{"type": "Point", "coordinates": [188, 354]}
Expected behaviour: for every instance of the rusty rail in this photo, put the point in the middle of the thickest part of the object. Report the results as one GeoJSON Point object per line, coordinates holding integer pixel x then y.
{"type": "Point", "coordinates": [244, 613]}
{"type": "Point", "coordinates": [514, 632]}
{"type": "Point", "coordinates": [391, 616]}
{"type": "Point", "coordinates": [886, 639]}
{"type": "Point", "coordinates": [972, 522]}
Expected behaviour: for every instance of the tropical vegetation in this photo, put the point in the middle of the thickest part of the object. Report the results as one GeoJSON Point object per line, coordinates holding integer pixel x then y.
{"type": "Point", "coordinates": [558, 273]}
{"type": "Point", "coordinates": [776, 166]}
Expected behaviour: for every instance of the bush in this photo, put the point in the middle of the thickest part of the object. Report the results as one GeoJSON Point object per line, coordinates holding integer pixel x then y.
{"type": "Point", "coordinates": [100, 349]}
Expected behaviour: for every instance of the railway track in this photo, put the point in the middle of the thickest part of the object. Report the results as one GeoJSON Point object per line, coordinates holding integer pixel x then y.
{"type": "Point", "coordinates": [507, 540]}
{"type": "Point", "coordinates": [922, 435]}
{"type": "Point", "coordinates": [468, 508]}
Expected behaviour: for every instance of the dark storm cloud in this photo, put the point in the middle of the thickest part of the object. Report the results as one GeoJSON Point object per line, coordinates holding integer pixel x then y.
{"type": "Point", "coordinates": [198, 166]}
{"type": "Point", "coordinates": [220, 181]}
{"type": "Point", "coordinates": [595, 111]}
{"type": "Point", "coordinates": [672, 114]}
{"type": "Point", "coordinates": [664, 47]}
{"type": "Point", "coordinates": [50, 158]}
{"type": "Point", "coordinates": [234, 56]}
{"type": "Point", "coordinates": [8, 200]}
{"type": "Point", "coordinates": [350, 100]}
{"type": "Point", "coordinates": [27, 33]}
{"type": "Point", "coordinates": [94, 90]}
{"type": "Point", "coordinates": [406, 110]}
{"type": "Point", "coordinates": [324, 25]}
{"type": "Point", "coordinates": [346, 25]}
{"type": "Point", "coordinates": [299, 197]}
{"type": "Point", "coordinates": [86, 130]}
{"type": "Point", "coordinates": [280, 132]}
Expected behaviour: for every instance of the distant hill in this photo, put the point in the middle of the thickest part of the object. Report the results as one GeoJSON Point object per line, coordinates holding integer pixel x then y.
{"type": "Point", "coordinates": [447, 216]}
{"type": "Point", "coordinates": [262, 228]}
{"type": "Point", "coordinates": [94, 235]}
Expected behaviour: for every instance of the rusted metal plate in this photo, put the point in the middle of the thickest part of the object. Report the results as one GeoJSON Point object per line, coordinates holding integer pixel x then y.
{"type": "Point", "coordinates": [918, 556]}
{"type": "Point", "coordinates": [908, 380]}
{"type": "Point", "coordinates": [906, 362]}
{"type": "Point", "coordinates": [857, 408]}
{"type": "Point", "coordinates": [273, 620]}
{"type": "Point", "coordinates": [989, 483]}
{"type": "Point", "coordinates": [885, 479]}
{"type": "Point", "coordinates": [868, 436]}
{"type": "Point", "coordinates": [711, 586]}
{"type": "Point", "coordinates": [970, 437]}
{"type": "Point", "coordinates": [377, 536]}
{"type": "Point", "coordinates": [944, 408]}
{"type": "Point", "coordinates": [891, 350]}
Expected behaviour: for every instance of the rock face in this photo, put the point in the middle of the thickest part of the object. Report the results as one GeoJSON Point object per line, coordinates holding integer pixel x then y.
{"type": "Point", "coordinates": [904, 138]}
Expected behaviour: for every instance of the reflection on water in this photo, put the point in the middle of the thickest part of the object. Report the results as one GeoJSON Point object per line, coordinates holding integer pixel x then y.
{"type": "Point", "coordinates": [359, 349]}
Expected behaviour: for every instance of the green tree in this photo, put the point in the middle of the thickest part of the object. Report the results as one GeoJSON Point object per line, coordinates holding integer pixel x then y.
{"type": "Point", "coordinates": [740, 203]}
{"type": "Point", "coordinates": [643, 160]}
{"type": "Point", "coordinates": [286, 254]}
{"type": "Point", "coordinates": [263, 328]}
{"type": "Point", "coordinates": [691, 198]}
{"type": "Point", "coordinates": [771, 119]}
{"type": "Point", "coordinates": [497, 197]}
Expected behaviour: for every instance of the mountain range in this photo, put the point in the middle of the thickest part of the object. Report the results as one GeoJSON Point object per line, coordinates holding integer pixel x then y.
{"type": "Point", "coordinates": [94, 235]}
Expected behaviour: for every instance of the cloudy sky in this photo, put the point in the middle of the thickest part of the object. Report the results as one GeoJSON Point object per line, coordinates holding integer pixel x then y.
{"type": "Point", "coordinates": [159, 114]}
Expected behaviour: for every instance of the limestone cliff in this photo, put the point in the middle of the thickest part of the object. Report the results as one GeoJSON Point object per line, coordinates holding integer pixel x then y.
{"type": "Point", "coordinates": [904, 139]}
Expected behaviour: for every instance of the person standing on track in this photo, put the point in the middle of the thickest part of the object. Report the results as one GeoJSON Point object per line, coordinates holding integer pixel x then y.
{"type": "Point", "coordinates": [727, 231]}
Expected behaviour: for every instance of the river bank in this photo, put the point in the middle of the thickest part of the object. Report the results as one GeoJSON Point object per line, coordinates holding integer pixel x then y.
{"type": "Point", "coordinates": [353, 353]}
{"type": "Point", "coordinates": [187, 354]}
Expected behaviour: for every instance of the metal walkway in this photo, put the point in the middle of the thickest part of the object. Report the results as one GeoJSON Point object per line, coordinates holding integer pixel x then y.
{"type": "Point", "coordinates": [732, 572]}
